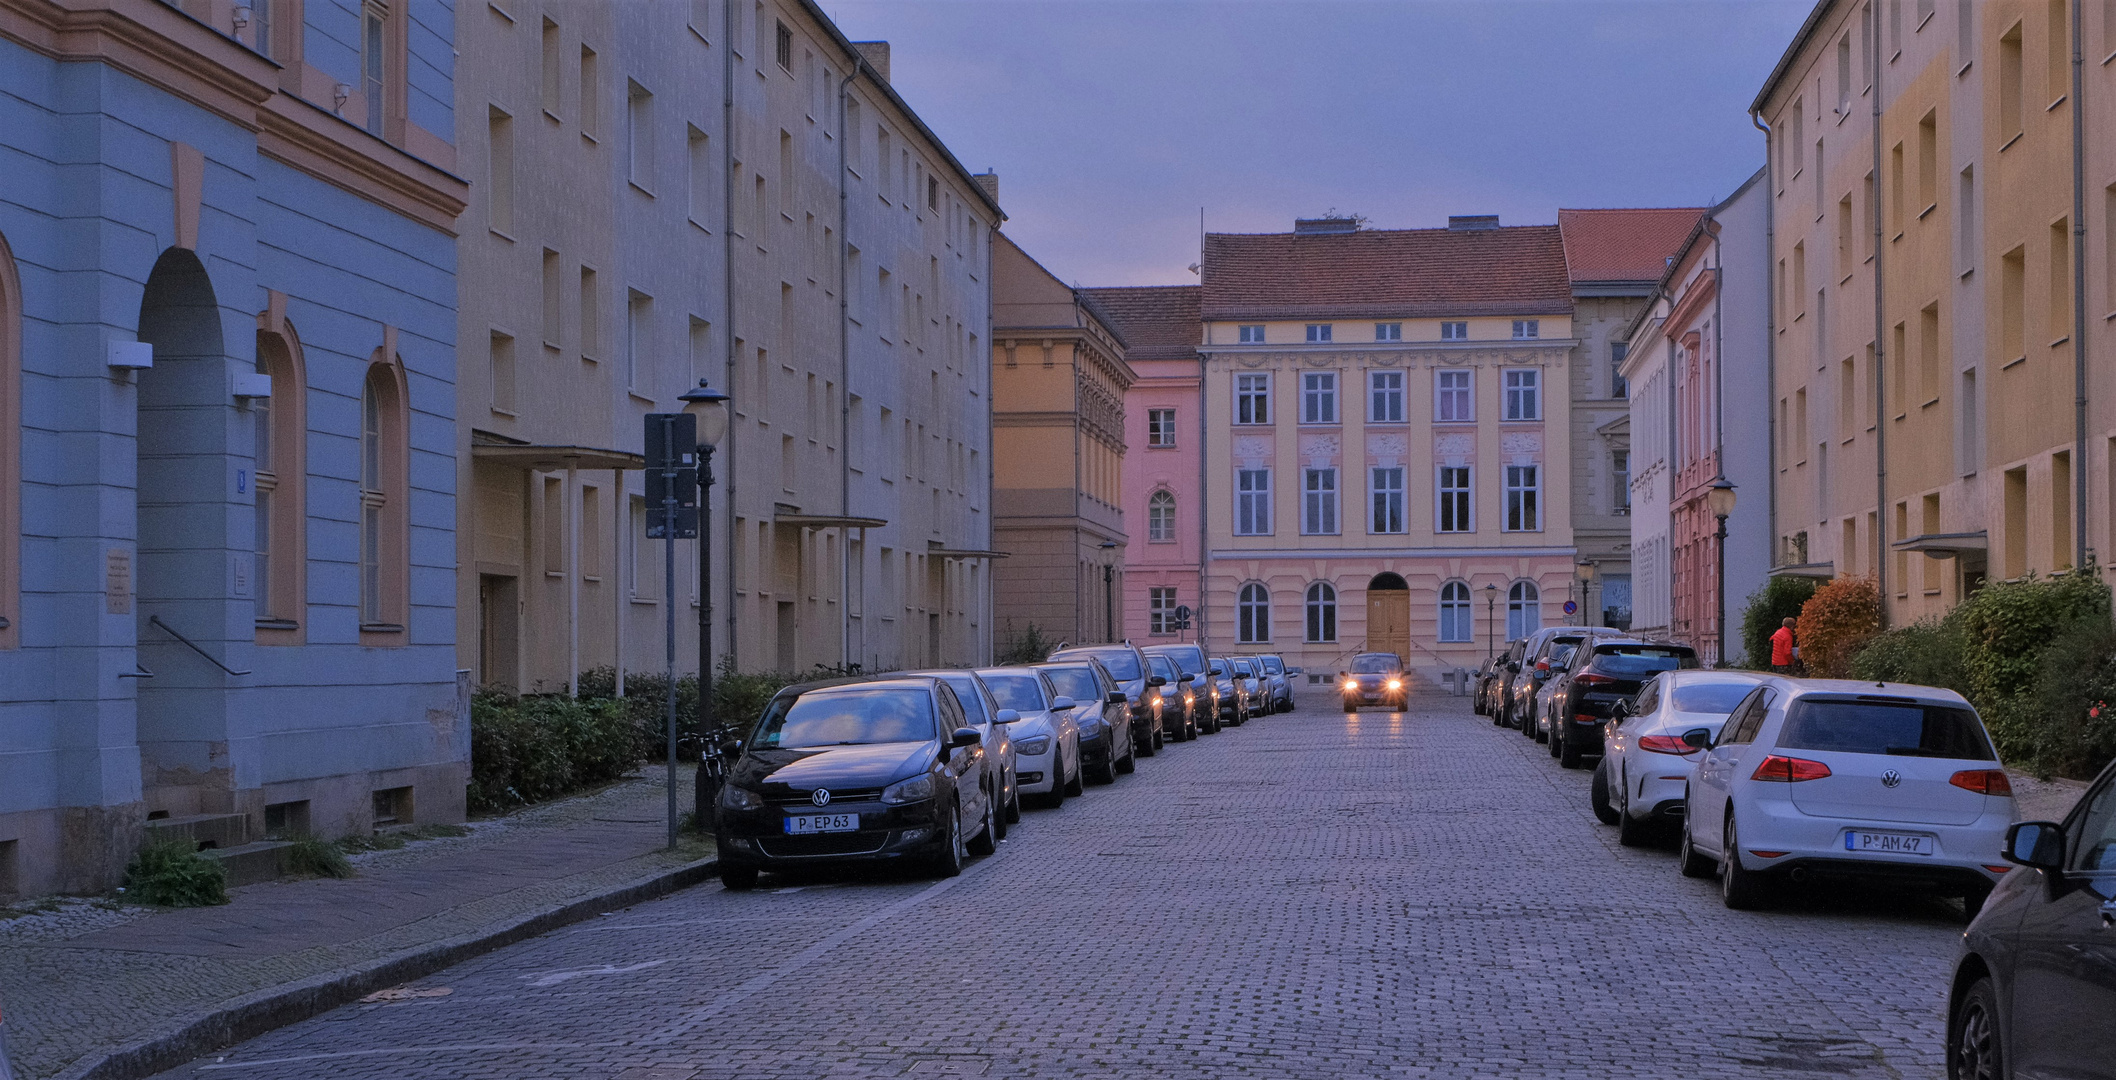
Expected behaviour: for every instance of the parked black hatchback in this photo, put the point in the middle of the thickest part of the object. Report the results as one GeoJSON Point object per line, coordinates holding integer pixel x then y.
{"type": "Point", "coordinates": [2034, 990]}
{"type": "Point", "coordinates": [882, 769]}
{"type": "Point", "coordinates": [1594, 683]}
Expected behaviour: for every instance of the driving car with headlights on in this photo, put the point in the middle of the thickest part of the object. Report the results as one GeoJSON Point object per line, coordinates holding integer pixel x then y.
{"type": "Point", "coordinates": [1374, 678]}
{"type": "Point", "coordinates": [1127, 665]}
{"type": "Point", "coordinates": [983, 712]}
{"type": "Point", "coordinates": [1190, 659]}
{"type": "Point", "coordinates": [1649, 746]}
{"type": "Point", "coordinates": [868, 769]}
{"type": "Point", "coordinates": [1821, 780]}
{"type": "Point", "coordinates": [1102, 715]}
{"type": "Point", "coordinates": [1046, 740]}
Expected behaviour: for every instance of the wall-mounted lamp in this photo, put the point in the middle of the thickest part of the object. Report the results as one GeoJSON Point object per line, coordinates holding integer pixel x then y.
{"type": "Point", "coordinates": [124, 356]}
{"type": "Point", "coordinates": [251, 385]}
{"type": "Point", "coordinates": [242, 18]}
{"type": "Point", "coordinates": [340, 92]}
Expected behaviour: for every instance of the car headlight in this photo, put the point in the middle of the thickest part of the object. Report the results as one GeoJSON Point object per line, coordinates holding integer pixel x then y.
{"type": "Point", "coordinates": [1351, 684]}
{"type": "Point", "coordinates": [734, 798]}
{"type": "Point", "coordinates": [1033, 747]}
{"type": "Point", "coordinates": [1395, 684]}
{"type": "Point", "coordinates": [917, 789]}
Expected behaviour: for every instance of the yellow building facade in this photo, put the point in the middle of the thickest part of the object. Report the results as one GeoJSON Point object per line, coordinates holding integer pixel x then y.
{"type": "Point", "coordinates": [1942, 386]}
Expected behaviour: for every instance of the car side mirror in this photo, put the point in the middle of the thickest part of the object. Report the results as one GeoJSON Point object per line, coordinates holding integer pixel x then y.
{"type": "Point", "coordinates": [1158, 680]}
{"type": "Point", "coordinates": [1697, 738]}
{"type": "Point", "coordinates": [1188, 679]}
{"type": "Point", "coordinates": [964, 736]}
{"type": "Point", "coordinates": [1116, 697]}
{"type": "Point", "coordinates": [1006, 716]}
{"type": "Point", "coordinates": [1061, 704]}
{"type": "Point", "coordinates": [1296, 671]}
{"type": "Point", "coordinates": [1619, 711]}
{"type": "Point", "coordinates": [1513, 667]}
{"type": "Point", "coordinates": [731, 748]}
{"type": "Point", "coordinates": [2040, 844]}
{"type": "Point", "coordinates": [1218, 670]}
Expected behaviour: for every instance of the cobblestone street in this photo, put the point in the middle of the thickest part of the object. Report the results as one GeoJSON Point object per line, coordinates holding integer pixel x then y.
{"type": "Point", "coordinates": [1311, 895]}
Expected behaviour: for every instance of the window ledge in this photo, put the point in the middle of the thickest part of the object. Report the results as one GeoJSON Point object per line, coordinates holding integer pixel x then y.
{"type": "Point", "coordinates": [702, 226]}
{"type": "Point", "coordinates": [2015, 362]}
{"type": "Point", "coordinates": [1928, 18]}
{"type": "Point", "coordinates": [1964, 69]}
{"type": "Point", "coordinates": [555, 574]}
{"type": "Point", "coordinates": [1929, 403]}
{"type": "Point", "coordinates": [640, 188]}
{"type": "Point", "coordinates": [262, 624]}
{"type": "Point", "coordinates": [2051, 107]}
{"type": "Point", "coordinates": [1896, 237]}
{"type": "Point", "coordinates": [587, 359]}
{"type": "Point", "coordinates": [1928, 209]}
{"type": "Point", "coordinates": [553, 346]}
{"type": "Point", "coordinates": [497, 411]}
{"type": "Point", "coordinates": [2003, 147]}
{"type": "Point", "coordinates": [381, 628]}
{"type": "Point", "coordinates": [1932, 592]}
{"type": "Point", "coordinates": [638, 397]}
{"type": "Point", "coordinates": [2061, 341]}
{"type": "Point", "coordinates": [554, 117]}
{"type": "Point", "coordinates": [1843, 281]}
{"type": "Point", "coordinates": [590, 139]}
{"type": "Point", "coordinates": [496, 232]}
{"type": "Point", "coordinates": [1965, 274]}
{"type": "Point", "coordinates": [646, 601]}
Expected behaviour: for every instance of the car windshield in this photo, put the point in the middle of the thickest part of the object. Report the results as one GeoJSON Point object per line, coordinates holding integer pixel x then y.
{"type": "Point", "coordinates": [1373, 665]}
{"type": "Point", "coordinates": [1274, 665]}
{"type": "Point", "coordinates": [1710, 697]}
{"type": "Point", "coordinates": [1074, 681]}
{"type": "Point", "coordinates": [1642, 659]}
{"type": "Point", "coordinates": [973, 703]}
{"type": "Point", "coordinates": [1163, 667]}
{"type": "Point", "coordinates": [849, 718]}
{"type": "Point", "coordinates": [1243, 668]}
{"type": "Point", "coordinates": [1226, 666]}
{"type": "Point", "coordinates": [1123, 664]}
{"type": "Point", "coordinates": [1021, 693]}
{"type": "Point", "coordinates": [1885, 726]}
{"type": "Point", "coordinates": [1188, 660]}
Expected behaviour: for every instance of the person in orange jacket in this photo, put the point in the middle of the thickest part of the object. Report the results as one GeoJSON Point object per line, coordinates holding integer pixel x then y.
{"type": "Point", "coordinates": [1783, 651]}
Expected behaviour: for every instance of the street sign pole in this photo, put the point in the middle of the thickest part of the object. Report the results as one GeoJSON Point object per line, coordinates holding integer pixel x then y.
{"type": "Point", "coordinates": [672, 474]}
{"type": "Point", "coordinates": [668, 592]}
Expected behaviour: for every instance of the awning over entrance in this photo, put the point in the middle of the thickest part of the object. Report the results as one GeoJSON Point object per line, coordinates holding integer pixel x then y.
{"type": "Point", "coordinates": [963, 553]}
{"type": "Point", "coordinates": [1811, 569]}
{"type": "Point", "coordinates": [828, 521]}
{"type": "Point", "coordinates": [551, 457]}
{"type": "Point", "coordinates": [1945, 545]}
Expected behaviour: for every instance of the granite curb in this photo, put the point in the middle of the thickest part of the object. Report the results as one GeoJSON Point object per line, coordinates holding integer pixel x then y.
{"type": "Point", "coordinates": [254, 1014]}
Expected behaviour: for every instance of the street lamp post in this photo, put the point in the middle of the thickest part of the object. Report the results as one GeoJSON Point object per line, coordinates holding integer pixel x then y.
{"type": "Point", "coordinates": [1491, 621]}
{"type": "Point", "coordinates": [1584, 570]}
{"type": "Point", "coordinates": [710, 407]}
{"type": "Point", "coordinates": [1109, 596]}
{"type": "Point", "coordinates": [1719, 498]}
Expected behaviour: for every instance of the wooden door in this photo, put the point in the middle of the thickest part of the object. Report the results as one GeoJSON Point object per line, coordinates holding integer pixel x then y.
{"type": "Point", "coordinates": [1389, 622]}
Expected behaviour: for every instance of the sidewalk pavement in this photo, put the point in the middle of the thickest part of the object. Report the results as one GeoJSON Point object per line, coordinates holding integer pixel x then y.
{"type": "Point", "coordinates": [98, 989]}
{"type": "Point", "coordinates": [2044, 800]}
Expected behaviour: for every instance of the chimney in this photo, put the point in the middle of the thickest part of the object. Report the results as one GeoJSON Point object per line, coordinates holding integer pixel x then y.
{"type": "Point", "coordinates": [1325, 226]}
{"type": "Point", "coordinates": [1472, 222]}
{"type": "Point", "coordinates": [877, 56]}
{"type": "Point", "coordinates": [989, 181]}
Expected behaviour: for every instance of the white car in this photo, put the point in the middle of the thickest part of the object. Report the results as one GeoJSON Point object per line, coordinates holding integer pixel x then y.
{"type": "Point", "coordinates": [1648, 752]}
{"type": "Point", "coordinates": [1046, 739]}
{"type": "Point", "coordinates": [1826, 779]}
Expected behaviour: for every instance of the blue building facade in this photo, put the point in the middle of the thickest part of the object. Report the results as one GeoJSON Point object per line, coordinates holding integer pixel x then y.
{"type": "Point", "coordinates": [227, 426]}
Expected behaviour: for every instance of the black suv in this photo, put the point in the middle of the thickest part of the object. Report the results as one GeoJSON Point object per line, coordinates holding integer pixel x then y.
{"type": "Point", "coordinates": [1603, 673]}
{"type": "Point", "coordinates": [1127, 665]}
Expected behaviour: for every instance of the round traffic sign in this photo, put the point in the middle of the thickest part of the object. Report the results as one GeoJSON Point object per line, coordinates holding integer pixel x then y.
{"type": "Point", "coordinates": [1571, 607]}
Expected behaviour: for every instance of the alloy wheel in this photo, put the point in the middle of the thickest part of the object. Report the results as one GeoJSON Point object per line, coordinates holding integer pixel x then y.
{"type": "Point", "coordinates": [1976, 1051]}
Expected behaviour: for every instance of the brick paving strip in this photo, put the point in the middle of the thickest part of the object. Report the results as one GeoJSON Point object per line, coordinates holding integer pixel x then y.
{"type": "Point", "coordinates": [108, 992]}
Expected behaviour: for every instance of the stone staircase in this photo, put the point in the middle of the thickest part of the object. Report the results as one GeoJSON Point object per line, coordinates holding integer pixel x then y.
{"type": "Point", "coordinates": [225, 838]}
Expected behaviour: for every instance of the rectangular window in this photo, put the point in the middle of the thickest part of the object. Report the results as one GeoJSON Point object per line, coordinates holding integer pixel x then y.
{"type": "Point", "coordinates": [1160, 427]}
{"type": "Point", "coordinates": [788, 187]}
{"type": "Point", "coordinates": [1896, 195]}
{"type": "Point", "coordinates": [1929, 355]}
{"type": "Point", "coordinates": [1319, 331]}
{"type": "Point", "coordinates": [553, 292]}
{"type": "Point", "coordinates": [1620, 480]}
{"type": "Point", "coordinates": [701, 349]}
{"type": "Point", "coordinates": [1386, 484]}
{"type": "Point", "coordinates": [2012, 303]}
{"type": "Point", "coordinates": [639, 310]}
{"type": "Point", "coordinates": [590, 94]}
{"type": "Point", "coordinates": [500, 372]}
{"type": "Point", "coordinates": [553, 533]}
{"type": "Point", "coordinates": [1388, 331]}
{"type": "Point", "coordinates": [373, 65]}
{"type": "Point", "coordinates": [590, 315]}
{"type": "Point", "coordinates": [261, 11]}
{"type": "Point", "coordinates": [2060, 281]}
{"type": "Point", "coordinates": [2012, 112]}
{"type": "Point", "coordinates": [1452, 514]}
{"type": "Point", "coordinates": [550, 88]}
{"type": "Point", "coordinates": [2058, 39]}
{"type": "Point", "coordinates": [699, 162]}
{"type": "Point", "coordinates": [1523, 400]}
{"type": "Point", "coordinates": [1618, 388]}
{"type": "Point", "coordinates": [499, 200]}
{"type": "Point", "coordinates": [1965, 217]}
{"type": "Point", "coordinates": [1318, 397]}
{"type": "Point", "coordinates": [782, 48]}
{"type": "Point", "coordinates": [1451, 397]}
{"type": "Point", "coordinates": [1385, 397]}
{"type": "Point", "coordinates": [1454, 331]}
{"type": "Point", "coordinates": [1252, 399]}
{"type": "Point", "coordinates": [1844, 75]}
{"type": "Point", "coordinates": [1522, 491]}
{"type": "Point", "coordinates": [372, 499]}
{"type": "Point", "coordinates": [1251, 335]}
{"type": "Point", "coordinates": [2108, 218]}
{"type": "Point", "coordinates": [1252, 502]}
{"type": "Point", "coordinates": [1319, 502]}
{"type": "Point", "coordinates": [1160, 610]}
{"type": "Point", "coordinates": [1928, 161]}
{"type": "Point", "coordinates": [1528, 328]}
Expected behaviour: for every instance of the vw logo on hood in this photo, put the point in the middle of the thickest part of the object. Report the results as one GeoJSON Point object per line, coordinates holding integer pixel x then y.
{"type": "Point", "coordinates": [821, 796]}
{"type": "Point", "coordinates": [1891, 778]}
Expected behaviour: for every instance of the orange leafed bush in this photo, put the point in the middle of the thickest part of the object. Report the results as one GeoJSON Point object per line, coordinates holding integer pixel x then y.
{"type": "Point", "coordinates": [1835, 623]}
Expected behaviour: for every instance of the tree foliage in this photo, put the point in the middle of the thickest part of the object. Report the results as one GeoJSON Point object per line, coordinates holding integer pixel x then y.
{"type": "Point", "coordinates": [1835, 622]}
{"type": "Point", "coordinates": [1778, 600]}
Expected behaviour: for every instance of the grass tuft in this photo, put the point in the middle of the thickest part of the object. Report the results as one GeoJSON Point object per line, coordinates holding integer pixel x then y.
{"type": "Point", "coordinates": [318, 858]}
{"type": "Point", "coordinates": [173, 874]}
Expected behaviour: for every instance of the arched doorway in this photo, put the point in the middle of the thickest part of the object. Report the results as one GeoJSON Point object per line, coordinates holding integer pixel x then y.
{"type": "Point", "coordinates": [185, 568]}
{"type": "Point", "coordinates": [1389, 615]}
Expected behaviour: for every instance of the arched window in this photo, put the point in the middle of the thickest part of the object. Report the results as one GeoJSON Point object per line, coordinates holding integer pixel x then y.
{"type": "Point", "coordinates": [384, 503]}
{"type": "Point", "coordinates": [1322, 612]}
{"type": "Point", "coordinates": [1253, 613]}
{"type": "Point", "coordinates": [281, 425]}
{"type": "Point", "coordinates": [1524, 610]}
{"type": "Point", "coordinates": [10, 450]}
{"type": "Point", "coordinates": [1454, 612]}
{"type": "Point", "coordinates": [1161, 516]}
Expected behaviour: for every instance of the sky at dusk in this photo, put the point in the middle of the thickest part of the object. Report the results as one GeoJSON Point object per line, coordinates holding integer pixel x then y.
{"type": "Point", "coordinates": [1112, 123]}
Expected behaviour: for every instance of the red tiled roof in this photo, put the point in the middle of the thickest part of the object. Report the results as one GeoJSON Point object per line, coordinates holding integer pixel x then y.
{"type": "Point", "coordinates": [1623, 245]}
{"type": "Point", "coordinates": [1415, 273]}
{"type": "Point", "coordinates": [1157, 322]}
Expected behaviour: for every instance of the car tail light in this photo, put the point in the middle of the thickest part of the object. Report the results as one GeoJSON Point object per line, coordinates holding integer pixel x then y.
{"type": "Point", "coordinates": [1769, 854]}
{"type": "Point", "coordinates": [1983, 782]}
{"type": "Point", "coordinates": [1789, 770]}
{"type": "Point", "coordinates": [1665, 744]}
{"type": "Point", "coordinates": [1997, 869]}
{"type": "Point", "coordinates": [1588, 678]}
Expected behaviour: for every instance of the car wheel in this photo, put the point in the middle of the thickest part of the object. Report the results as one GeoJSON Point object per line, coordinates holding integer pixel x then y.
{"type": "Point", "coordinates": [1550, 739]}
{"type": "Point", "coordinates": [1130, 764]}
{"type": "Point", "coordinates": [1598, 796]}
{"type": "Point", "coordinates": [1145, 745]}
{"type": "Point", "coordinates": [1078, 784]}
{"type": "Point", "coordinates": [1160, 739]}
{"type": "Point", "coordinates": [948, 862]}
{"type": "Point", "coordinates": [1569, 752]}
{"type": "Point", "coordinates": [738, 878]}
{"type": "Point", "coordinates": [987, 839]}
{"type": "Point", "coordinates": [1014, 808]}
{"type": "Point", "coordinates": [1688, 859]}
{"type": "Point", "coordinates": [1498, 718]}
{"type": "Point", "coordinates": [1630, 831]}
{"type": "Point", "coordinates": [1974, 1050]}
{"type": "Point", "coordinates": [1741, 888]}
{"type": "Point", "coordinates": [1106, 769]}
{"type": "Point", "coordinates": [1000, 808]}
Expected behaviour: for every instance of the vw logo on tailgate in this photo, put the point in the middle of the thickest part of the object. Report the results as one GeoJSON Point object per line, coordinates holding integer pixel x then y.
{"type": "Point", "coordinates": [821, 796]}
{"type": "Point", "coordinates": [1891, 778]}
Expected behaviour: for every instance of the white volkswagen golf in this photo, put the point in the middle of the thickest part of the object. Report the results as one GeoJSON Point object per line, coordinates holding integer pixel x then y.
{"type": "Point", "coordinates": [1825, 779]}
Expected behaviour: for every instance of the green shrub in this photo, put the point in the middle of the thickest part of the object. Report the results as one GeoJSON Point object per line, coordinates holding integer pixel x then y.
{"type": "Point", "coordinates": [318, 858]}
{"type": "Point", "coordinates": [1778, 600]}
{"type": "Point", "coordinates": [2074, 698]}
{"type": "Point", "coordinates": [1836, 623]}
{"type": "Point", "coordinates": [1927, 653]}
{"type": "Point", "coordinates": [1027, 647]}
{"type": "Point", "coordinates": [173, 874]}
{"type": "Point", "coordinates": [2008, 625]}
{"type": "Point", "coordinates": [527, 749]}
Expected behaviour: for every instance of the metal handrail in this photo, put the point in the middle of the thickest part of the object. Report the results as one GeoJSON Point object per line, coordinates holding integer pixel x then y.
{"type": "Point", "coordinates": [156, 620]}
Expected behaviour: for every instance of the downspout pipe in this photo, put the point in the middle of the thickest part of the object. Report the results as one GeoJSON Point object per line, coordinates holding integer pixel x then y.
{"type": "Point", "coordinates": [727, 311]}
{"type": "Point", "coordinates": [1770, 332]}
{"type": "Point", "coordinates": [2079, 286]}
{"type": "Point", "coordinates": [845, 657]}
{"type": "Point", "coordinates": [1880, 343]}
